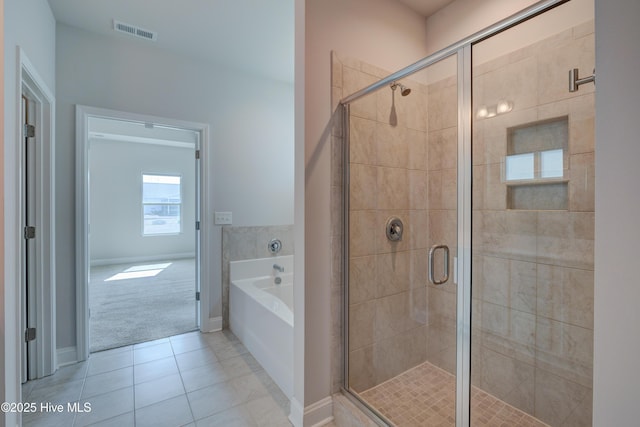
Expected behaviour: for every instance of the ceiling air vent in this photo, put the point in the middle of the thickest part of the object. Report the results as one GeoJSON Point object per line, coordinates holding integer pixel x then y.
{"type": "Point", "coordinates": [135, 31]}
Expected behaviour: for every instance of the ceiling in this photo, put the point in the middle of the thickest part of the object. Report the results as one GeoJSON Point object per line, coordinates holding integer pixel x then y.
{"type": "Point", "coordinates": [426, 8]}
{"type": "Point", "coordinates": [251, 35]}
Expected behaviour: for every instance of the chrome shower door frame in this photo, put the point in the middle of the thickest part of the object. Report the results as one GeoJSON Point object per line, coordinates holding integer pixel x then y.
{"type": "Point", "coordinates": [462, 262]}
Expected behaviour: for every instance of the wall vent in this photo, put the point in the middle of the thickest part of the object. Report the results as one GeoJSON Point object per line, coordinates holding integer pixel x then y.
{"type": "Point", "coordinates": [135, 31]}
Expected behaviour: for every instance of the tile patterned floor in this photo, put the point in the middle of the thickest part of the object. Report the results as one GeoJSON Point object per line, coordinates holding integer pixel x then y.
{"type": "Point", "coordinates": [185, 380]}
{"type": "Point", "coordinates": [425, 396]}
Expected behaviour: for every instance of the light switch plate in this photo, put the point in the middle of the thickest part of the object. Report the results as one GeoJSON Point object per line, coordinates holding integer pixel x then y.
{"type": "Point", "coordinates": [223, 218]}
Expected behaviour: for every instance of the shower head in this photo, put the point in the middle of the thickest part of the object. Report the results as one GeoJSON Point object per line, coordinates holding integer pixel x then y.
{"type": "Point", "coordinates": [404, 91]}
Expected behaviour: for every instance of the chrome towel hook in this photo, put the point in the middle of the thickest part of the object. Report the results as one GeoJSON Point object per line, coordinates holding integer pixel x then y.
{"type": "Point", "coordinates": [575, 81]}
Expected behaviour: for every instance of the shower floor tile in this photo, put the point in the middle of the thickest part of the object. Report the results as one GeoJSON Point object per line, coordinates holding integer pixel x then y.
{"type": "Point", "coordinates": [425, 396]}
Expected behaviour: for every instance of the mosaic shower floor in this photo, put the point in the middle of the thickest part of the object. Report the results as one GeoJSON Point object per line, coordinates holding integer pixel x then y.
{"type": "Point", "coordinates": [425, 396]}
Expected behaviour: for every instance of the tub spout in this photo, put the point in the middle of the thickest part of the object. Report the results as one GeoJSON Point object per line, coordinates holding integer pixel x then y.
{"type": "Point", "coordinates": [278, 268]}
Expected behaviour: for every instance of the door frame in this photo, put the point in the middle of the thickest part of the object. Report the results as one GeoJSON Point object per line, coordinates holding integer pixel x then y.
{"type": "Point", "coordinates": [42, 355]}
{"type": "Point", "coordinates": [203, 235]}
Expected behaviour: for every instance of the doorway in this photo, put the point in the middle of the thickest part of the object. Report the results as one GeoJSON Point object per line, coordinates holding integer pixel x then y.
{"type": "Point", "coordinates": [141, 185]}
{"type": "Point", "coordinates": [469, 230]}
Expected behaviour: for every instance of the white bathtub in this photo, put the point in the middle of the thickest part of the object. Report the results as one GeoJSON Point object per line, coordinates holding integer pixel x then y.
{"type": "Point", "coordinates": [261, 315]}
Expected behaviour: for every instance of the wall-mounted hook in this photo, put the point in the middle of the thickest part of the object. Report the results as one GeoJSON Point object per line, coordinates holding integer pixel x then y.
{"type": "Point", "coordinates": [575, 81]}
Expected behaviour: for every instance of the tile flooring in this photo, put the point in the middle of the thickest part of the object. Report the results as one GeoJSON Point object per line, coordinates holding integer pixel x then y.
{"type": "Point", "coordinates": [186, 380]}
{"type": "Point", "coordinates": [425, 396]}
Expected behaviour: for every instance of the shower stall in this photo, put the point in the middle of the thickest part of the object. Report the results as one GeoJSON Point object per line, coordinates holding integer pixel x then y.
{"type": "Point", "coordinates": [467, 199]}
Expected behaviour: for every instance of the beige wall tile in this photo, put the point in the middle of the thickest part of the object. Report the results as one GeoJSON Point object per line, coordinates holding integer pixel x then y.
{"type": "Point", "coordinates": [417, 141]}
{"type": "Point", "coordinates": [554, 64]}
{"type": "Point", "coordinates": [584, 29]}
{"type": "Point", "coordinates": [393, 188]}
{"type": "Point", "coordinates": [442, 104]}
{"type": "Point", "coordinates": [523, 284]}
{"type": "Point", "coordinates": [434, 189]}
{"type": "Point", "coordinates": [516, 82]}
{"type": "Point", "coordinates": [362, 143]}
{"type": "Point", "coordinates": [566, 239]}
{"type": "Point", "coordinates": [495, 279]}
{"type": "Point", "coordinates": [509, 332]}
{"type": "Point", "coordinates": [417, 233]}
{"type": "Point", "coordinates": [362, 279]}
{"type": "Point", "coordinates": [582, 183]}
{"type": "Point", "coordinates": [392, 147]}
{"type": "Point", "coordinates": [478, 142]}
{"type": "Point", "coordinates": [495, 190]}
{"type": "Point", "coordinates": [417, 189]}
{"type": "Point", "coordinates": [566, 295]}
{"type": "Point", "coordinates": [361, 324]}
{"type": "Point", "coordinates": [361, 369]}
{"type": "Point", "coordinates": [387, 109]}
{"type": "Point", "coordinates": [393, 273]}
{"type": "Point", "coordinates": [582, 415]}
{"type": "Point", "coordinates": [363, 183]}
{"type": "Point", "coordinates": [434, 150]}
{"type": "Point", "coordinates": [581, 123]}
{"type": "Point", "coordinates": [398, 353]}
{"type": "Point", "coordinates": [336, 71]}
{"type": "Point", "coordinates": [449, 151]}
{"type": "Point", "coordinates": [362, 237]}
{"type": "Point", "coordinates": [412, 110]}
{"type": "Point", "coordinates": [418, 277]}
{"type": "Point", "coordinates": [510, 234]}
{"type": "Point", "coordinates": [565, 350]}
{"type": "Point", "coordinates": [450, 189]}
{"type": "Point", "coordinates": [508, 379]}
{"type": "Point", "coordinates": [556, 398]}
{"type": "Point", "coordinates": [393, 316]}
{"type": "Point", "coordinates": [443, 228]}
{"type": "Point", "coordinates": [354, 80]}
{"type": "Point", "coordinates": [441, 345]}
{"type": "Point", "coordinates": [442, 306]}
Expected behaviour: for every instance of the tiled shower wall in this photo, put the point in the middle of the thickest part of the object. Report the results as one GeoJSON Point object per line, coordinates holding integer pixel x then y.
{"type": "Point", "coordinates": [533, 268]}
{"type": "Point", "coordinates": [387, 300]}
{"type": "Point", "coordinates": [239, 243]}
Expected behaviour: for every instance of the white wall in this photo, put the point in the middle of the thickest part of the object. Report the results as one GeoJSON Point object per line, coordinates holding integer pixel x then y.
{"type": "Point", "coordinates": [251, 133]}
{"type": "Point", "coordinates": [617, 283]}
{"type": "Point", "coordinates": [115, 198]}
{"type": "Point", "coordinates": [380, 32]}
{"type": "Point", "coordinates": [29, 24]}
{"type": "Point", "coordinates": [462, 18]}
{"type": "Point", "coordinates": [4, 344]}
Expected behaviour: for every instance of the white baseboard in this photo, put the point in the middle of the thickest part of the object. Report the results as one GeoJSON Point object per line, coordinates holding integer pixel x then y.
{"type": "Point", "coordinates": [315, 415]}
{"type": "Point", "coordinates": [66, 356]}
{"type": "Point", "coordinates": [214, 324]}
{"type": "Point", "coordinates": [296, 416]}
{"type": "Point", "coordinates": [149, 258]}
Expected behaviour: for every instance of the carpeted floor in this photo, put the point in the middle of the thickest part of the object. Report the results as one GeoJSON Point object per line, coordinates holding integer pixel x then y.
{"type": "Point", "coordinates": [132, 303]}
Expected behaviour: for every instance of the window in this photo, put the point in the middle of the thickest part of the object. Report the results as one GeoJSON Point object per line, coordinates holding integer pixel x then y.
{"type": "Point", "coordinates": [542, 164]}
{"type": "Point", "coordinates": [161, 204]}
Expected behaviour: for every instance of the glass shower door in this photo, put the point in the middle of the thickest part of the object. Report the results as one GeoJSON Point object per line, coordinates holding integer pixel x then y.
{"type": "Point", "coordinates": [402, 212]}
{"type": "Point", "coordinates": [533, 223]}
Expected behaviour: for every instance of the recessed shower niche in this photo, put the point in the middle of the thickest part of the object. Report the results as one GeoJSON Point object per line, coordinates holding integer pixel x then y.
{"type": "Point", "coordinates": [535, 165]}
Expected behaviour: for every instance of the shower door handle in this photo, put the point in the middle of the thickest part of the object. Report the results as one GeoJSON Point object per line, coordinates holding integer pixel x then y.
{"type": "Point", "coordinates": [432, 253]}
